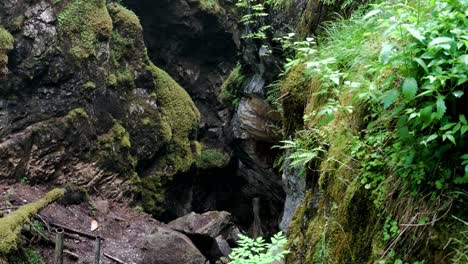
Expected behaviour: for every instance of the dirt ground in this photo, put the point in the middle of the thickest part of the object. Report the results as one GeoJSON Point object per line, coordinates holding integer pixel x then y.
{"type": "Point", "coordinates": [122, 228]}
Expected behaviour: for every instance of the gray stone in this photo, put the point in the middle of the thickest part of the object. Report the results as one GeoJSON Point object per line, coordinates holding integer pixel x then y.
{"type": "Point", "coordinates": [166, 246]}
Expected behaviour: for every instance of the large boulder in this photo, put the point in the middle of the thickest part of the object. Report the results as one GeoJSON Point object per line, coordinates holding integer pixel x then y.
{"type": "Point", "coordinates": [212, 232]}
{"type": "Point", "coordinates": [210, 224]}
{"type": "Point", "coordinates": [166, 246]}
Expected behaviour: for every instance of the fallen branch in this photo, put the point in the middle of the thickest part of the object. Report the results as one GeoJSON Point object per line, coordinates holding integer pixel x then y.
{"type": "Point", "coordinates": [11, 224]}
{"type": "Point", "coordinates": [71, 254]}
{"type": "Point", "coordinates": [72, 230]}
{"type": "Point", "coordinates": [114, 258]}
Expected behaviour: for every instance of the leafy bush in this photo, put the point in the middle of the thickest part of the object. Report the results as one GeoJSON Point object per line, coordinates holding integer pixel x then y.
{"type": "Point", "coordinates": [258, 251]}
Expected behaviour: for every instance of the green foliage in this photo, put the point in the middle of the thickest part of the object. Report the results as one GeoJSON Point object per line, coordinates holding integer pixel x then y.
{"type": "Point", "coordinates": [252, 19]}
{"type": "Point", "coordinates": [212, 158]}
{"type": "Point", "coordinates": [390, 229]}
{"type": "Point", "coordinates": [83, 23]}
{"type": "Point", "coordinates": [307, 147]}
{"type": "Point", "coordinates": [29, 255]}
{"type": "Point", "coordinates": [396, 75]}
{"type": "Point", "coordinates": [258, 251]}
{"type": "Point", "coordinates": [419, 65]}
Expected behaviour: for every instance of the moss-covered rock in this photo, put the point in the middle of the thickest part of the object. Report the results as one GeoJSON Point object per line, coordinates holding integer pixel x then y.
{"type": "Point", "coordinates": [75, 114]}
{"type": "Point", "coordinates": [10, 225]}
{"type": "Point", "coordinates": [178, 122]}
{"type": "Point", "coordinates": [6, 44]}
{"type": "Point", "coordinates": [181, 115]}
{"type": "Point", "coordinates": [211, 159]}
{"type": "Point", "coordinates": [114, 150]}
{"type": "Point", "coordinates": [210, 6]}
{"type": "Point", "coordinates": [125, 19]}
{"type": "Point", "coordinates": [84, 23]}
{"type": "Point", "coordinates": [231, 92]}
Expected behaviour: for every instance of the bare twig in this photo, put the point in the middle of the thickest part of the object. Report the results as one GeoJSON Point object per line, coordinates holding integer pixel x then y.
{"type": "Point", "coordinates": [114, 258]}
{"type": "Point", "coordinates": [71, 254]}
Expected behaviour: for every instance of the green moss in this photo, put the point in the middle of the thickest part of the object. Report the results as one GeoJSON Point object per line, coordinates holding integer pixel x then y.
{"type": "Point", "coordinates": [124, 19]}
{"type": "Point", "coordinates": [210, 6]}
{"type": "Point", "coordinates": [10, 225]}
{"type": "Point", "coordinates": [153, 194]}
{"type": "Point", "coordinates": [121, 47]}
{"type": "Point", "coordinates": [75, 114]}
{"type": "Point", "coordinates": [147, 121]}
{"type": "Point", "coordinates": [111, 80]}
{"type": "Point", "coordinates": [6, 40]}
{"type": "Point", "coordinates": [89, 86]}
{"type": "Point", "coordinates": [212, 158]}
{"type": "Point", "coordinates": [84, 23]}
{"type": "Point", "coordinates": [114, 150]}
{"type": "Point", "coordinates": [180, 114]}
{"type": "Point", "coordinates": [178, 123]}
{"type": "Point", "coordinates": [6, 44]}
{"type": "Point", "coordinates": [231, 92]}
{"type": "Point", "coordinates": [127, 31]}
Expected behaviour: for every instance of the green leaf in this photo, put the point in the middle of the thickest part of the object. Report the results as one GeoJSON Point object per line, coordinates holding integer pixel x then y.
{"type": "Point", "coordinates": [464, 59]}
{"type": "Point", "coordinates": [410, 88]}
{"type": "Point", "coordinates": [441, 42]}
{"type": "Point", "coordinates": [386, 52]}
{"type": "Point", "coordinates": [416, 34]}
{"type": "Point", "coordinates": [458, 93]}
{"type": "Point", "coordinates": [464, 129]}
{"type": "Point", "coordinates": [447, 126]}
{"type": "Point", "coordinates": [422, 64]}
{"type": "Point", "coordinates": [389, 97]}
{"type": "Point", "coordinates": [426, 114]}
{"type": "Point", "coordinates": [441, 108]}
{"type": "Point", "coordinates": [449, 137]}
{"type": "Point", "coordinates": [462, 119]}
{"type": "Point", "coordinates": [371, 14]}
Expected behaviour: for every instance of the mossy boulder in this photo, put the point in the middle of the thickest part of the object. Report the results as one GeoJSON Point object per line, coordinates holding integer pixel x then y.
{"type": "Point", "coordinates": [181, 115]}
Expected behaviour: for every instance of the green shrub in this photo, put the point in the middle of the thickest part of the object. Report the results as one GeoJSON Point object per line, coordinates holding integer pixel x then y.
{"type": "Point", "coordinates": [258, 251]}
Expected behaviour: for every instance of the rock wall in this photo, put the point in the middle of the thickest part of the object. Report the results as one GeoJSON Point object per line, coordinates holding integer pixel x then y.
{"type": "Point", "coordinates": [82, 104]}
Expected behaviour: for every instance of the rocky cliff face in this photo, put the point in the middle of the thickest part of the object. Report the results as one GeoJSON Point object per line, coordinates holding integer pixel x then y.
{"type": "Point", "coordinates": [82, 104]}
{"type": "Point", "coordinates": [196, 41]}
